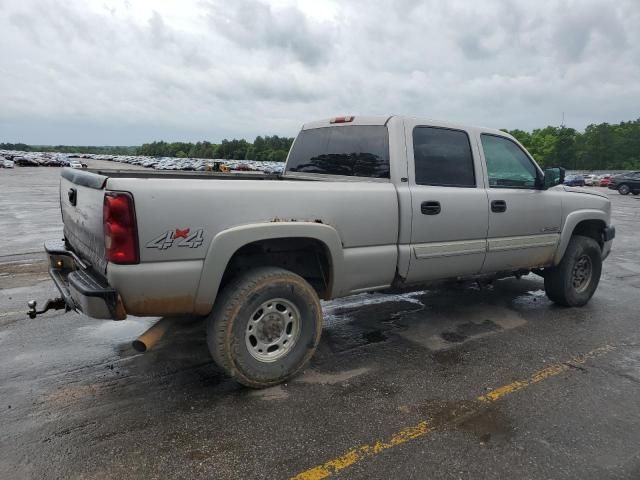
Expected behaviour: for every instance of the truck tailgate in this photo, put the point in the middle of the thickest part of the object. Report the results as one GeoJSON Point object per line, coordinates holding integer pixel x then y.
{"type": "Point", "coordinates": [81, 201]}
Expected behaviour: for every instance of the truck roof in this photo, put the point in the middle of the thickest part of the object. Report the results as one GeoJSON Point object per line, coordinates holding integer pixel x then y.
{"type": "Point", "coordinates": [383, 119]}
{"type": "Point", "coordinates": [356, 120]}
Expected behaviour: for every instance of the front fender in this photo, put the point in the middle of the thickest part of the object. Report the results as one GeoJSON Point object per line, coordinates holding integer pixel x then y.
{"type": "Point", "coordinates": [572, 220]}
{"type": "Point", "coordinates": [227, 242]}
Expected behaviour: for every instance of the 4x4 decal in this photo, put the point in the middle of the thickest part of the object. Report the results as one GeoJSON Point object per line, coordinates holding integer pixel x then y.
{"type": "Point", "coordinates": [182, 237]}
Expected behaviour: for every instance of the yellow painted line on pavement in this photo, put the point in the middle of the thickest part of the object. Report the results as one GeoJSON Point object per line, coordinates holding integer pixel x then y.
{"type": "Point", "coordinates": [6, 314]}
{"type": "Point", "coordinates": [363, 452]}
{"type": "Point", "coordinates": [540, 375]}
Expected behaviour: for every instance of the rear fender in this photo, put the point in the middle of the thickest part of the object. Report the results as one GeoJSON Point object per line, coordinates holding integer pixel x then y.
{"type": "Point", "coordinates": [227, 242]}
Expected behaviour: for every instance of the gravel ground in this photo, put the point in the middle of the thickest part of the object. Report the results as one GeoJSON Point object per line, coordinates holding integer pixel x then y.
{"type": "Point", "coordinates": [392, 392]}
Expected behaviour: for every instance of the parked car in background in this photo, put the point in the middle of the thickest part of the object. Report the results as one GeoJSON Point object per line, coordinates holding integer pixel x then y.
{"type": "Point", "coordinates": [25, 162]}
{"type": "Point", "coordinates": [591, 180]}
{"type": "Point", "coordinates": [7, 163]}
{"type": "Point", "coordinates": [574, 181]}
{"type": "Point", "coordinates": [626, 183]}
{"type": "Point", "coordinates": [605, 180]}
{"type": "Point", "coordinates": [75, 164]}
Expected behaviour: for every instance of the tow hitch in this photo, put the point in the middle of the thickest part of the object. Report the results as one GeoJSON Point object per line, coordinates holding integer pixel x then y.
{"type": "Point", "coordinates": [52, 304]}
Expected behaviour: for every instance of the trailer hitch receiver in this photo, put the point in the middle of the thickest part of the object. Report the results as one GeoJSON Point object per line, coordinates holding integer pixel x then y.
{"type": "Point", "coordinates": [52, 304]}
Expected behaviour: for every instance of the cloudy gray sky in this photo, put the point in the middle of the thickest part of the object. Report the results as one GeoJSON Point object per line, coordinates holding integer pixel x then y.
{"type": "Point", "coordinates": [124, 72]}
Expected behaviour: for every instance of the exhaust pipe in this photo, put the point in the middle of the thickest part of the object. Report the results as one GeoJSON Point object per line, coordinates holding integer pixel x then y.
{"type": "Point", "coordinates": [148, 339]}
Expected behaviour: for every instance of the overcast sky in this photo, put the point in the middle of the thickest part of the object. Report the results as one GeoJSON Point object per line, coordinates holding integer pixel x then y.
{"type": "Point", "coordinates": [124, 72]}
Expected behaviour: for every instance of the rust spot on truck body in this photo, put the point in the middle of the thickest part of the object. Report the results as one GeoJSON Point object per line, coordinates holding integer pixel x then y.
{"type": "Point", "coordinates": [162, 306]}
{"type": "Point", "coordinates": [203, 308]}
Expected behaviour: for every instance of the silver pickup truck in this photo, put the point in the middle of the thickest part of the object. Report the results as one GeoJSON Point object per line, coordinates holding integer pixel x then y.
{"type": "Point", "coordinates": [364, 204]}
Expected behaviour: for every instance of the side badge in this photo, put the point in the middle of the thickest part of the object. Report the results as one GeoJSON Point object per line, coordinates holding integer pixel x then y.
{"type": "Point", "coordinates": [182, 237]}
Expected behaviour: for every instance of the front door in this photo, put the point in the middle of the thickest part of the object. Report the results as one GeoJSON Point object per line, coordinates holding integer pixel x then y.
{"type": "Point", "coordinates": [524, 221]}
{"type": "Point", "coordinates": [449, 204]}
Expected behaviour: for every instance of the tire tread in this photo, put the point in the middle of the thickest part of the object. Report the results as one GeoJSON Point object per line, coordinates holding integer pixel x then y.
{"type": "Point", "coordinates": [555, 278]}
{"type": "Point", "coordinates": [219, 324]}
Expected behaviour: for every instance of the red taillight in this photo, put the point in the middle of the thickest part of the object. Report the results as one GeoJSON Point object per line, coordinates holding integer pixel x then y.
{"type": "Point", "coordinates": [120, 231]}
{"type": "Point", "coordinates": [346, 119]}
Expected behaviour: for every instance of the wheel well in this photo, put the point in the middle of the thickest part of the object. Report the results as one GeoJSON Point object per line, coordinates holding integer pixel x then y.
{"type": "Point", "coordinates": [592, 229]}
{"type": "Point", "coordinates": [307, 257]}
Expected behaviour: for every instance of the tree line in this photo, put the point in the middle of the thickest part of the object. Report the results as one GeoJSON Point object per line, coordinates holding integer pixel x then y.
{"type": "Point", "coordinates": [268, 148]}
{"type": "Point", "coordinates": [601, 146]}
{"type": "Point", "coordinates": [96, 150]}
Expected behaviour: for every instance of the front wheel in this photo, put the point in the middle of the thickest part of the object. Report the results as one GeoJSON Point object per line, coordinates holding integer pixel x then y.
{"type": "Point", "coordinates": [265, 326]}
{"type": "Point", "coordinates": [624, 189]}
{"type": "Point", "coordinates": [574, 280]}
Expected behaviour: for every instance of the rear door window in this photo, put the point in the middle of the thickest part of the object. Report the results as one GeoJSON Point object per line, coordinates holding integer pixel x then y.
{"type": "Point", "coordinates": [443, 157]}
{"type": "Point", "coordinates": [354, 150]}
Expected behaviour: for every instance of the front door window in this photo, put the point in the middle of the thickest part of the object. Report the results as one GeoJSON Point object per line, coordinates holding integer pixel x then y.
{"type": "Point", "coordinates": [507, 165]}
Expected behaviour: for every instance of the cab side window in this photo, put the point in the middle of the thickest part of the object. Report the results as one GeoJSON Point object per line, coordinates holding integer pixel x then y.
{"type": "Point", "coordinates": [442, 157]}
{"type": "Point", "coordinates": [507, 165]}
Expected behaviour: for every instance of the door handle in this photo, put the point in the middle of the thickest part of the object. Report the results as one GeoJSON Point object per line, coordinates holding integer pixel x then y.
{"type": "Point", "coordinates": [430, 208]}
{"type": "Point", "coordinates": [498, 206]}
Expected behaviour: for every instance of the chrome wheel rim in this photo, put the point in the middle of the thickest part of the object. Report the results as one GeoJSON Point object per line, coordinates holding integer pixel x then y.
{"type": "Point", "coordinates": [272, 330]}
{"type": "Point", "coordinates": [582, 272]}
{"type": "Point", "coordinates": [623, 189]}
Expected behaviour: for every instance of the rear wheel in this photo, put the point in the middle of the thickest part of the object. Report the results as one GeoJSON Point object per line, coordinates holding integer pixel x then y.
{"type": "Point", "coordinates": [265, 326]}
{"type": "Point", "coordinates": [574, 280]}
{"type": "Point", "coordinates": [624, 189]}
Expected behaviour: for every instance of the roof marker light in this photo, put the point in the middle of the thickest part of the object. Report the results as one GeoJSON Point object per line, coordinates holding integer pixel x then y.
{"type": "Point", "coordinates": [346, 119]}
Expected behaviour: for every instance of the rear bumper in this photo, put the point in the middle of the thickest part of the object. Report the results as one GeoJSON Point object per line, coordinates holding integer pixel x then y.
{"type": "Point", "coordinates": [82, 289]}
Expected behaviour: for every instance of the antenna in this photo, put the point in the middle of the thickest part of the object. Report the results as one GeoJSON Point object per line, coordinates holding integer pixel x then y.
{"type": "Point", "coordinates": [562, 124]}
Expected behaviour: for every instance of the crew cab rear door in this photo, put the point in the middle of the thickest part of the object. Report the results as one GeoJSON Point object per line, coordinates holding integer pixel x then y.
{"type": "Point", "coordinates": [448, 201]}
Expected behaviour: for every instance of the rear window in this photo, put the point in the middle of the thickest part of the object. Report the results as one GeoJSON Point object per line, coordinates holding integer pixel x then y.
{"type": "Point", "coordinates": [355, 151]}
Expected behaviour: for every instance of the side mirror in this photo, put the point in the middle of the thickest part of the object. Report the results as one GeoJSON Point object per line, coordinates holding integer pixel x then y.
{"type": "Point", "coordinates": [553, 177]}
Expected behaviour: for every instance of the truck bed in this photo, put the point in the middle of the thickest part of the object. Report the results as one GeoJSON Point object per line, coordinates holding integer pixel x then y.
{"type": "Point", "coordinates": [204, 204]}
{"type": "Point", "coordinates": [80, 177]}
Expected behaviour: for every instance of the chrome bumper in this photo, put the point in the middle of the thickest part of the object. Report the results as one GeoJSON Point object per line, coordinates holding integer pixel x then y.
{"type": "Point", "coordinates": [82, 288]}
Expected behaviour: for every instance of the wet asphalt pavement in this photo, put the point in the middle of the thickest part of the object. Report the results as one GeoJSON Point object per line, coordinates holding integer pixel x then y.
{"type": "Point", "coordinates": [391, 393]}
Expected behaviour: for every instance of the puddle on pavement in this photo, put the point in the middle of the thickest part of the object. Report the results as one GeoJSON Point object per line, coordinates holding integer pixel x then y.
{"type": "Point", "coordinates": [486, 422]}
{"type": "Point", "coordinates": [375, 336]}
{"type": "Point", "coordinates": [448, 357]}
{"type": "Point", "coordinates": [447, 325]}
{"type": "Point", "coordinates": [453, 337]}
{"type": "Point", "coordinates": [469, 329]}
{"type": "Point", "coordinates": [532, 299]}
{"type": "Point", "coordinates": [365, 323]}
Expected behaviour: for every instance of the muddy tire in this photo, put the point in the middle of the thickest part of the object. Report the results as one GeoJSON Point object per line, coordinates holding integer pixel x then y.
{"type": "Point", "coordinates": [624, 189]}
{"type": "Point", "coordinates": [574, 280]}
{"type": "Point", "coordinates": [264, 327]}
